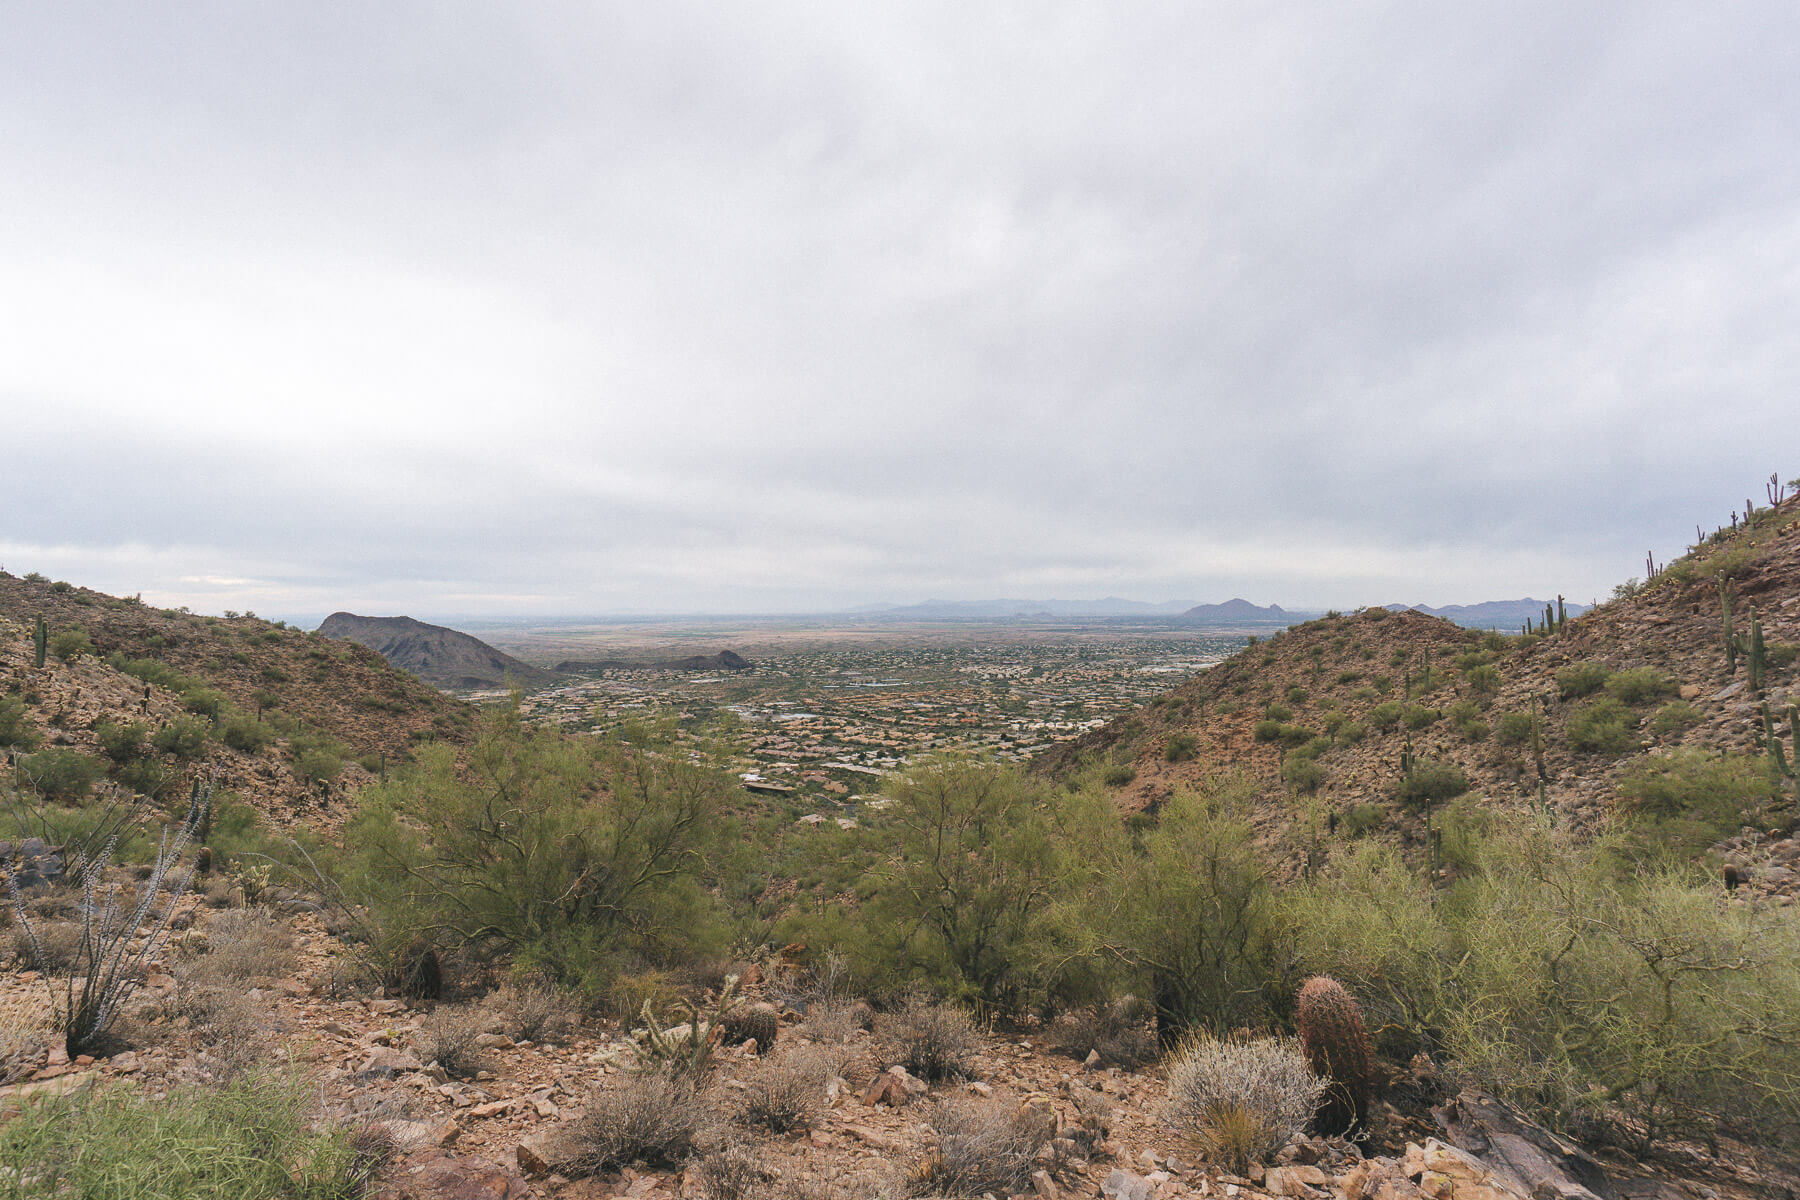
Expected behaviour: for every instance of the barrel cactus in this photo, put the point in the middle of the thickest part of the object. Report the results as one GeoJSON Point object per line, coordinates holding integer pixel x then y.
{"type": "Point", "coordinates": [1337, 1046]}
{"type": "Point", "coordinates": [758, 1021]}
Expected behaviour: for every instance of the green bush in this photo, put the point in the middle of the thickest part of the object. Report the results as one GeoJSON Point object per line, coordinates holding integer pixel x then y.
{"type": "Point", "coordinates": [1418, 717]}
{"type": "Point", "coordinates": [254, 1137]}
{"type": "Point", "coordinates": [1723, 790]}
{"type": "Point", "coordinates": [1514, 729]}
{"type": "Point", "coordinates": [1268, 731]}
{"type": "Point", "coordinates": [1117, 775]}
{"type": "Point", "coordinates": [246, 733]}
{"type": "Point", "coordinates": [1431, 782]}
{"type": "Point", "coordinates": [1603, 726]}
{"type": "Point", "coordinates": [1483, 680]}
{"type": "Point", "coordinates": [71, 644]}
{"type": "Point", "coordinates": [1278, 712]}
{"type": "Point", "coordinates": [205, 701]}
{"type": "Point", "coordinates": [15, 727]}
{"type": "Point", "coordinates": [1302, 773]}
{"type": "Point", "coordinates": [1364, 819]}
{"type": "Point", "coordinates": [184, 737]}
{"type": "Point", "coordinates": [1180, 747]}
{"type": "Point", "coordinates": [1386, 715]}
{"type": "Point", "coordinates": [62, 776]}
{"type": "Point", "coordinates": [1640, 685]}
{"type": "Point", "coordinates": [1297, 694]}
{"type": "Point", "coordinates": [1581, 679]}
{"type": "Point", "coordinates": [122, 743]}
{"type": "Point", "coordinates": [1352, 733]}
{"type": "Point", "coordinates": [318, 765]}
{"type": "Point", "coordinates": [1677, 716]}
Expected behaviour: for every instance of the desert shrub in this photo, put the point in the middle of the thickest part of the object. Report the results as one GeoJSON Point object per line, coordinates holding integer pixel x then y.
{"type": "Point", "coordinates": [1364, 819]}
{"type": "Point", "coordinates": [222, 1018]}
{"type": "Point", "coordinates": [1782, 654]}
{"type": "Point", "coordinates": [1277, 712]}
{"type": "Point", "coordinates": [184, 737]}
{"type": "Point", "coordinates": [571, 853]}
{"type": "Point", "coordinates": [246, 733]}
{"type": "Point", "coordinates": [1364, 693]}
{"type": "Point", "coordinates": [71, 644]}
{"type": "Point", "coordinates": [253, 1137]}
{"type": "Point", "coordinates": [1302, 773]}
{"type": "Point", "coordinates": [1640, 685]}
{"type": "Point", "coordinates": [1514, 729]}
{"type": "Point", "coordinates": [1465, 720]}
{"type": "Point", "coordinates": [1241, 1100]}
{"type": "Point", "coordinates": [1603, 726]}
{"type": "Point", "coordinates": [1677, 716]}
{"type": "Point", "coordinates": [53, 947]}
{"type": "Point", "coordinates": [60, 775]}
{"type": "Point", "coordinates": [1118, 775]}
{"type": "Point", "coordinates": [535, 1011]}
{"type": "Point", "coordinates": [15, 726]}
{"type": "Point", "coordinates": [1483, 680]}
{"type": "Point", "coordinates": [451, 1037]}
{"type": "Point", "coordinates": [22, 1051]}
{"type": "Point", "coordinates": [121, 743]}
{"type": "Point", "coordinates": [1180, 747]}
{"type": "Point", "coordinates": [1581, 679]}
{"type": "Point", "coordinates": [785, 1094]}
{"type": "Point", "coordinates": [1418, 716]}
{"type": "Point", "coordinates": [247, 944]}
{"type": "Point", "coordinates": [1346, 678]}
{"type": "Point", "coordinates": [986, 1148]}
{"type": "Point", "coordinates": [202, 700]}
{"type": "Point", "coordinates": [1431, 782]}
{"type": "Point", "coordinates": [651, 1118]}
{"type": "Point", "coordinates": [1268, 731]}
{"type": "Point", "coordinates": [732, 1170]}
{"type": "Point", "coordinates": [1297, 694]}
{"type": "Point", "coordinates": [931, 1040]}
{"type": "Point", "coordinates": [317, 765]}
{"type": "Point", "coordinates": [1723, 790]}
{"type": "Point", "coordinates": [1386, 715]}
{"type": "Point", "coordinates": [1295, 736]}
{"type": "Point", "coordinates": [1118, 1031]}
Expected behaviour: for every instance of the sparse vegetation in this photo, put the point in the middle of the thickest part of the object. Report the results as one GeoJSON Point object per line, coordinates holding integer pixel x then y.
{"type": "Point", "coordinates": [1241, 1101]}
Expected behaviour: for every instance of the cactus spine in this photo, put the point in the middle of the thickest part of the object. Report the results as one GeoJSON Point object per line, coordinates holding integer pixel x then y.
{"type": "Point", "coordinates": [40, 641]}
{"type": "Point", "coordinates": [1337, 1046]}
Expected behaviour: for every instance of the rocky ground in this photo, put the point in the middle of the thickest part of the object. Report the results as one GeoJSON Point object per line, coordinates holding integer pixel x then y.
{"type": "Point", "coordinates": [485, 1096]}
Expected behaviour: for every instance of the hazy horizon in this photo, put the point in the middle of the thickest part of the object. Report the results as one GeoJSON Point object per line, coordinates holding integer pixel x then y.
{"type": "Point", "coordinates": [592, 307]}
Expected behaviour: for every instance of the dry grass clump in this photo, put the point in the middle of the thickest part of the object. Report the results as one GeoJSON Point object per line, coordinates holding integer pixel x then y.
{"type": "Point", "coordinates": [221, 1017]}
{"type": "Point", "coordinates": [981, 1149]}
{"type": "Point", "coordinates": [732, 1170]}
{"type": "Point", "coordinates": [247, 944]}
{"type": "Point", "coordinates": [837, 1022]}
{"type": "Point", "coordinates": [53, 947]}
{"type": "Point", "coordinates": [1241, 1101]}
{"type": "Point", "coordinates": [933, 1041]}
{"type": "Point", "coordinates": [25, 1036]}
{"type": "Point", "coordinates": [1119, 1032]}
{"type": "Point", "coordinates": [536, 1011]}
{"type": "Point", "coordinates": [654, 1118]}
{"type": "Point", "coordinates": [451, 1037]}
{"type": "Point", "coordinates": [786, 1094]}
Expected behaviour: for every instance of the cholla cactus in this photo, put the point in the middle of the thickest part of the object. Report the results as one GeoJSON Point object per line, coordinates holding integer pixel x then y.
{"type": "Point", "coordinates": [687, 1049]}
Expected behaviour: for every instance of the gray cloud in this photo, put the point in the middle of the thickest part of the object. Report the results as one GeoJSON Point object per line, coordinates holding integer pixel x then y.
{"type": "Point", "coordinates": [586, 308]}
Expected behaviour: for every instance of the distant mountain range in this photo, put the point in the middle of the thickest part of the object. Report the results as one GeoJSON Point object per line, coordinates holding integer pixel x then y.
{"type": "Point", "coordinates": [1494, 614]}
{"type": "Point", "coordinates": [1008, 609]}
{"type": "Point", "coordinates": [440, 656]}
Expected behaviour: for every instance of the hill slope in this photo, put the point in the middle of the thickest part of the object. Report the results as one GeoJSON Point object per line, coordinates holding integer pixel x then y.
{"type": "Point", "coordinates": [1352, 693]}
{"type": "Point", "coordinates": [438, 655]}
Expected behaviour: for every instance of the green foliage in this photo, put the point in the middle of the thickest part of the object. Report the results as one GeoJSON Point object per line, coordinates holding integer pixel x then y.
{"type": "Point", "coordinates": [1118, 775]}
{"type": "Point", "coordinates": [1603, 726]}
{"type": "Point", "coordinates": [198, 698]}
{"type": "Point", "coordinates": [569, 852]}
{"type": "Point", "coordinates": [1297, 694]}
{"type": "Point", "coordinates": [1180, 747]}
{"type": "Point", "coordinates": [1640, 685]}
{"type": "Point", "coordinates": [1724, 791]}
{"type": "Point", "coordinates": [1677, 716]}
{"type": "Point", "coordinates": [184, 737]}
{"type": "Point", "coordinates": [60, 775]}
{"type": "Point", "coordinates": [1514, 729]}
{"type": "Point", "coordinates": [71, 644]}
{"type": "Point", "coordinates": [1581, 679]}
{"type": "Point", "coordinates": [318, 765]}
{"type": "Point", "coordinates": [122, 743]}
{"type": "Point", "coordinates": [244, 732]}
{"type": "Point", "coordinates": [1277, 712]}
{"type": "Point", "coordinates": [1386, 715]}
{"type": "Point", "coordinates": [1418, 716]}
{"type": "Point", "coordinates": [254, 1137]}
{"type": "Point", "coordinates": [1430, 782]}
{"type": "Point", "coordinates": [1465, 719]}
{"type": "Point", "coordinates": [1302, 773]}
{"type": "Point", "coordinates": [1483, 680]}
{"type": "Point", "coordinates": [1364, 819]}
{"type": "Point", "coordinates": [1268, 731]}
{"type": "Point", "coordinates": [15, 726]}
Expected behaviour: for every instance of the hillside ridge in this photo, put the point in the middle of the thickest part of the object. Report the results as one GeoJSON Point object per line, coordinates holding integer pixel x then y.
{"type": "Point", "coordinates": [441, 656]}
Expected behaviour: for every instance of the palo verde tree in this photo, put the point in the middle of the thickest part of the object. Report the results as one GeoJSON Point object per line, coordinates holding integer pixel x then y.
{"type": "Point", "coordinates": [563, 851]}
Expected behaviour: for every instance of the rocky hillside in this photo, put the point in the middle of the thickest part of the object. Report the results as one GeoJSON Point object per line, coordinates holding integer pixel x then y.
{"type": "Point", "coordinates": [285, 719]}
{"type": "Point", "coordinates": [1337, 709]}
{"type": "Point", "coordinates": [444, 657]}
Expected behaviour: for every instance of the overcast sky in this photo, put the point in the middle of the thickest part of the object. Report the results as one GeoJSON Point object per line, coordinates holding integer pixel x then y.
{"type": "Point", "coordinates": [594, 308]}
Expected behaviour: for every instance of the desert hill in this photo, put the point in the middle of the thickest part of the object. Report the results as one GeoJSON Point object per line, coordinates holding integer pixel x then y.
{"type": "Point", "coordinates": [1333, 712]}
{"type": "Point", "coordinates": [285, 719]}
{"type": "Point", "coordinates": [724, 660]}
{"type": "Point", "coordinates": [1239, 612]}
{"type": "Point", "coordinates": [438, 655]}
{"type": "Point", "coordinates": [1507, 616]}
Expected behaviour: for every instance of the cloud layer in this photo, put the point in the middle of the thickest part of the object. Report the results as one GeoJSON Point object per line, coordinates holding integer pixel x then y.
{"type": "Point", "coordinates": [599, 307]}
